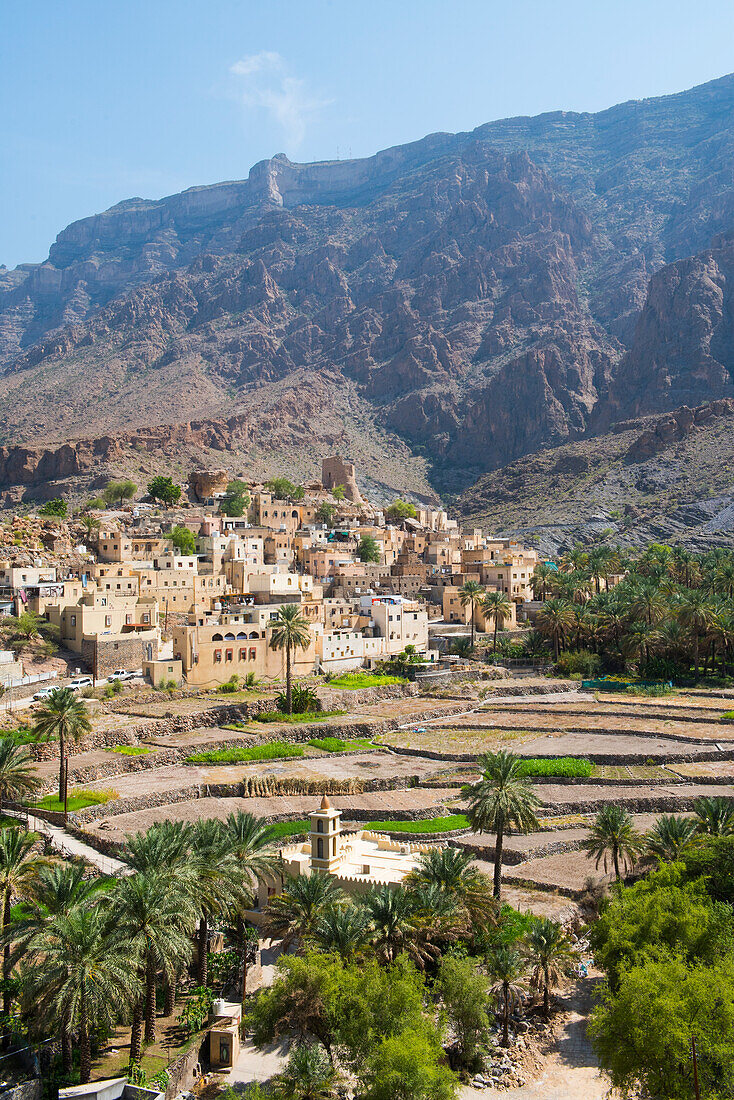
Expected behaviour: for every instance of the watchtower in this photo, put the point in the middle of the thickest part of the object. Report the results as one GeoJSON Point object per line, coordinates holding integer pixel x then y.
{"type": "Point", "coordinates": [325, 834]}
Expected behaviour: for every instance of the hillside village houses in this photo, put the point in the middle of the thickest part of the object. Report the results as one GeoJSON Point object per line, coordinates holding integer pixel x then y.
{"type": "Point", "coordinates": [218, 605]}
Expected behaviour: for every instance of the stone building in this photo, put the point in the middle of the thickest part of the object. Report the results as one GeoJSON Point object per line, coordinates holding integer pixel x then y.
{"type": "Point", "coordinates": [335, 471]}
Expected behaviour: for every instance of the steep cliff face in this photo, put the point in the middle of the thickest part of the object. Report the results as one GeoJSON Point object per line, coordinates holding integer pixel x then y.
{"type": "Point", "coordinates": [470, 297]}
{"type": "Point", "coordinates": [683, 347]}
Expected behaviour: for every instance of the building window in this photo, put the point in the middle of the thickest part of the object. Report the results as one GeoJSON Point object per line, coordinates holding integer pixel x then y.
{"type": "Point", "coordinates": [73, 620]}
{"type": "Point", "coordinates": [320, 848]}
{"type": "Point", "coordinates": [243, 654]}
{"type": "Point", "coordinates": [319, 826]}
{"type": "Point", "coordinates": [229, 655]}
{"type": "Point", "coordinates": [146, 617]}
{"type": "Point", "coordinates": [217, 656]}
{"type": "Point", "coordinates": [253, 654]}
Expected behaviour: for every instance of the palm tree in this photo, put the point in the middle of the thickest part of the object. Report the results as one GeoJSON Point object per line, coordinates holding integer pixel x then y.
{"type": "Point", "coordinates": [296, 913]}
{"type": "Point", "coordinates": [78, 974]}
{"type": "Point", "coordinates": [602, 561]}
{"type": "Point", "coordinates": [646, 602]}
{"type": "Point", "coordinates": [19, 869]}
{"type": "Point", "coordinates": [550, 953]}
{"type": "Point", "coordinates": [247, 838]}
{"type": "Point", "coordinates": [17, 778]}
{"type": "Point", "coordinates": [613, 833]}
{"type": "Point", "coordinates": [218, 883]}
{"type": "Point", "coordinates": [541, 579]}
{"type": "Point", "coordinates": [470, 595]}
{"type": "Point", "coordinates": [308, 1075]}
{"type": "Point", "coordinates": [502, 800]}
{"type": "Point", "coordinates": [450, 870]}
{"type": "Point", "coordinates": [496, 607]}
{"type": "Point", "coordinates": [696, 613]}
{"type": "Point", "coordinates": [575, 559]}
{"type": "Point", "coordinates": [670, 835]}
{"type": "Point", "coordinates": [155, 922]}
{"type": "Point", "coordinates": [553, 620]}
{"type": "Point", "coordinates": [343, 929]}
{"type": "Point", "coordinates": [507, 967]}
{"type": "Point", "coordinates": [715, 816]}
{"type": "Point", "coordinates": [398, 925]}
{"type": "Point", "coordinates": [64, 715]}
{"type": "Point", "coordinates": [289, 630]}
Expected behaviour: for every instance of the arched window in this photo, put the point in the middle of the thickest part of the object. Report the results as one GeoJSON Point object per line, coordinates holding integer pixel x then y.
{"type": "Point", "coordinates": [319, 826]}
{"type": "Point", "coordinates": [254, 634]}
{"type": "Point", "coordinates": [241, 636]}
{"type": "Point", "coordinates": [229, 637]}
{"type": "Point", "coordinates": [320, 848]}
{"type": "Point", "coordinates": [217, 637]}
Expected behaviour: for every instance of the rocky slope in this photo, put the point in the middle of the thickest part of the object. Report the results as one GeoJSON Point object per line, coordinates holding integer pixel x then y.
{"type": "Point", "coordinates": [438, 310]}
{"type": "Point", "coordinates": [663, 478]}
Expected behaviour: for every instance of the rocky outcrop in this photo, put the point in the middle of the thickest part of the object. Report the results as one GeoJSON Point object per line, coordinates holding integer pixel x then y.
{"type": "Point", "coordinates": [675, 428]}
{"type": "Point", "coordinates": [205, 483]}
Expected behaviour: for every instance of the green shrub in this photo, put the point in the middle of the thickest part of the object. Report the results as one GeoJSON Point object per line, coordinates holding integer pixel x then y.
{"type": "Point", "coordinates": [653, 691]}
{"type": "Point", "coordinates": [272, 750]}
{"type": "Point", "coordinates": [130, 750]}
{"type": "Point", "coordinates": [728, 716]}
{"type": "Point", "coordinates": [303, 700]}
{"type": "Point", "coordinates": [580, 661]}
{"type": "Point", "coordinates": [568, 766]}
{"type": "Point", "coordinates": [352, 681]}
{"type": "Point", "coordinates": [232, 685]}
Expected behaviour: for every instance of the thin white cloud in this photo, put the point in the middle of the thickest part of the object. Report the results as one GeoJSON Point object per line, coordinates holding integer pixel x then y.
{"type": "Point", "coordinates": [263, 82]}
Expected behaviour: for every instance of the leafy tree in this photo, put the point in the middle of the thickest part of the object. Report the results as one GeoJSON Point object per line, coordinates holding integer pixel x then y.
{"type": "Point", "coordinates": [470, 594]}
{"type": "Point", "coordinates": [120, 491]}
{"type": "Point", "coordinates": [296, 913]}
{"type": "Point", "coordinates": [95, 504]}
{"type": "Point", "coordinates": [163, 489]}
{"type": "Point", "coordinates": [400, 510]}
{"type": "Point", "coordinates": [284, 489]}
{"type": "Point", "coordinates": [56, 507]}
{"type": "Point", "coordinates": [660, 912]}
{"type": "Point", "coordinates": [17, 775]}
{"type": "Point", "coordinates": [368, 549]}
{"type": "Point", "coordinates": [78, 974]}
{"type": "Point", "coordinates": [550, 953]}
{"type": "Point", "coordinates": [338, 492]}
{"type": "Point", "coordinates": [502, 800]}
{"type": "Point", "coordinates": [464, 991]}
{"type": "Point", "coordinates": [409, 1066]}
{"type": "Point", "coordinates": [326, 513]}
{"type": "Point", "coordinates": [497, 608]}
{"type": "Point", "coordinates": [507, 967]}
{"type": "Point", "coordinates": [183, 540]}
{"type": "Point", "coordinates": [642, 1030]}
{"type": "Point", "coordinates": [613, 834]}
{"type": "Point", "coordinates": [670, 835]}
{"type": "Point", "coordinates": [64, 715]}
{"type": "Point", "coordinates": [236, 500]}
{"type": "Point", "coordinates": [289, 631]}
{"type": "Point", "coordinates": [711, 858]}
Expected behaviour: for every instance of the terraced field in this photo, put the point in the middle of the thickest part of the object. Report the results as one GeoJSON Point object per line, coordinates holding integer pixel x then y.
{"type": "Point", "coordinates": [649, 755]}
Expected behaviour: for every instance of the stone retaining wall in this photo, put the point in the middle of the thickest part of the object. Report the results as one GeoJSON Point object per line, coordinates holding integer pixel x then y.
{"type": "Point", "coordinates": [181, 1071]}
{"type": "Point", "coordinates": [345, 698]}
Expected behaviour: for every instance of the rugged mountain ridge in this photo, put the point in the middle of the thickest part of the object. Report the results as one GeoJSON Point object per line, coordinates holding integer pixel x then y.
{"type": "Point", "coordinates": [466, 299]}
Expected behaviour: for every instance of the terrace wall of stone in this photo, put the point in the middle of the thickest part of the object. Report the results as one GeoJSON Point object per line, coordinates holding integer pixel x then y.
{"type": "Point", "coordinates": [598, 758]}
{"type": "Point", "coordinates": [344, 698]}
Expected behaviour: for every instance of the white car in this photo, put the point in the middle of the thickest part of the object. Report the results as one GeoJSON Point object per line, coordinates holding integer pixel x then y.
{"type": "Point", "coordinates": [80, 682]}
{"type": "Point", "coordinates": [122, 674]}
{"type": "Point", "coordinates": [43, 693]}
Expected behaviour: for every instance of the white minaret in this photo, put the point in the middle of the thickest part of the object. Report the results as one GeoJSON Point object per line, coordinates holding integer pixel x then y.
{"type": "Point", "coordinates": [325, 843]}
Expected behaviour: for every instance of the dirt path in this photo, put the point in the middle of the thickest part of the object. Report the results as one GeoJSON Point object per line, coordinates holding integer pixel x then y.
{"type": "Point", "coordinates": [571, 1071]}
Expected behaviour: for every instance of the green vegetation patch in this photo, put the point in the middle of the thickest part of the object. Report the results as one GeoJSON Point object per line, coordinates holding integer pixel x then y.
{"type": "Point", "coordinates": [728, 716]}
{"type": "Point", "coordinates": [273, 750]}
{"type": "Point", "coordinates": [77, 800]}
{"type": "Point", "coordinates": [130, 750]}
{"type": "Point", "coordinates": [297, 719]}
{"type": "Point", "coordinates": [354, 680]}
{"type": "Point", "coordinates": [290, 828]}
{"type": "Point", "coordinates": [428, 825]}
{"type": "Point", "coordinates": [336, 744]}
{"type": "Point", "coordinates": [567, 766]}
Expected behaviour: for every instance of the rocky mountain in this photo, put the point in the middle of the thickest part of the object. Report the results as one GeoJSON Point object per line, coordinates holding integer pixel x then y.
{"type": "Point", "coordinates": [437, 310]}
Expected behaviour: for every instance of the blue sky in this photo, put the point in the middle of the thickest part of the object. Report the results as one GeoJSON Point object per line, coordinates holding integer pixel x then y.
{"type": "Point", "coordinates": [105, 99]}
